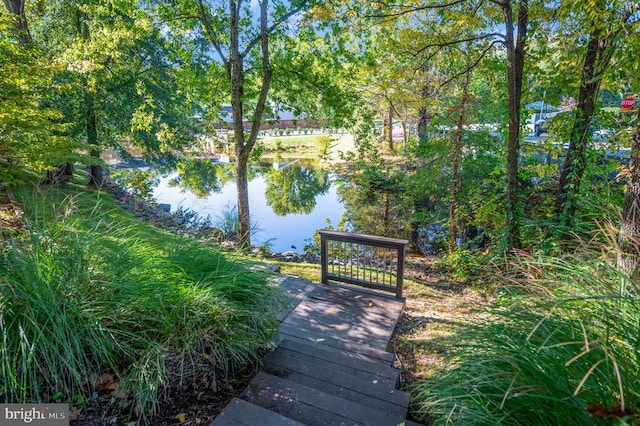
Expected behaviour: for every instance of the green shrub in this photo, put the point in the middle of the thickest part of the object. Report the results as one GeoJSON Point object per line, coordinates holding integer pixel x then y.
{"type": "Point", "coordinates": [563, 350]}
{"type": "Point", "coordinates": [95, 292]}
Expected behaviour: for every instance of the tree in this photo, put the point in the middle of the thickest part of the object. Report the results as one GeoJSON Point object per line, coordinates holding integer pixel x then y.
{"type": "Point", "coordinates": [447, 24]}
{"type": "Point", "coordinates": [115, 82]}
{"type": "Point", "coordinates": [16, 9]}
{"type": "Point", "coordinates": [293, 189]}
{"type": "Point", "coordinates": [31, 131]}
{"type": "Point", "coordinates": [605, 24]}
{"type": "Point", "coordinates": [241, 36]}
{"type": "Point", "coordinates": [457, 151]}
{"type": "Point", "coordinates": [515, 44]}
{"type": "Point", "coordinates": [629, 238]}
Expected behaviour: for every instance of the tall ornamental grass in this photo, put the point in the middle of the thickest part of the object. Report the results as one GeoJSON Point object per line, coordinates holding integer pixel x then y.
{"type": "Point", "coordinates": [89, 291]}
{"type": "Point", "coordinates": [562, 347]}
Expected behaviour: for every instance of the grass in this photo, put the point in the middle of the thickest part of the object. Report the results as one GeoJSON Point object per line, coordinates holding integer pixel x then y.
{"type": "Point", "coordinates": [88, 291]}
{"type": "Point", "coordinates": [559, 346]}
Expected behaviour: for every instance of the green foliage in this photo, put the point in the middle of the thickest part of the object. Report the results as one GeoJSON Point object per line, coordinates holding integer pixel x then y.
{"type": "Point", "coordinates": [31, 132]}
{"type": "Point", "coordinates": [88, 291]}
{"type": "Point", "coordinates": [199, 176]}
{"type": "Point", "coordinates": [293, 189]}
{"type": "Point", "coordinates": [140, 183]}
{"type": "Point", "coordinates": [467, 266]}
{"type": "Point", "coordinates": [562, 348]}
{"type": "Point", "coordinates": [325, 144]}
{"type": "Point", "coordinates": [227, 222]}
{"type": "Point", "coordinates": [114, 66]}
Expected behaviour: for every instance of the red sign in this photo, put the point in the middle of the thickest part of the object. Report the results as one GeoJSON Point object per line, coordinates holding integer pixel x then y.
{"type": "Point", "coordinates": [628, 103]}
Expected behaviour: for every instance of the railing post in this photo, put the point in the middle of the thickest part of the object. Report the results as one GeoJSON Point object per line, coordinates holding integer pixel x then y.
{"type": "Point", "coordinates": [323, 258]}
{"type": "Point", "coordinates": [400, 272]}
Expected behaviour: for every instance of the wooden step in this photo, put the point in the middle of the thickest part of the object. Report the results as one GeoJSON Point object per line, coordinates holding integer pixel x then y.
{"type": "Point", "coordinates": [243, 413]}
{"type": "Point", "coordinates": [342, 357]}
{"type": "Point", "coordinates": [335, 340]}
{"type": "Point", "coordinates": [354, 385]}
{"type": "Point", "coordinates": [311, 406]}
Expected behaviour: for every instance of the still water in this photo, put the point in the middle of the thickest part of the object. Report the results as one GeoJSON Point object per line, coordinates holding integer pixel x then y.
{"type": "Point", "coordinates": [303, 205]}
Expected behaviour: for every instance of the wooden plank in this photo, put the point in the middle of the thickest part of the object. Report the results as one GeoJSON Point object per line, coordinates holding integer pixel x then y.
{"type": "Point", "coordinates": [366, 311]}
{"type": "Point", "coordinates": [239, 412]}
{"type": "Point", "coordinates": [297, 290]}
{"type": "Point", "coordinates": [369, 354]}
{"type": "Point", "coordinates": [341, 357]}
{"type": "Point", "coordinates": [319, 333]}
{"type": "Point", "coordinates": [364, 388]}
{"type": "Point", "coordinates": [370, 383]}
{"type": "Point", "coordinates": [370, 314]}
{"type": "Point", "coordinates": [370, 326]}
{"type": "Point", "coordinates": [373, 337]}
{"type": "Point", "coordinates": [399, 410]}
{"type": "Point", "coordinates": [311, 406]}
{"type": "Point", "coordinates": [356, 299]}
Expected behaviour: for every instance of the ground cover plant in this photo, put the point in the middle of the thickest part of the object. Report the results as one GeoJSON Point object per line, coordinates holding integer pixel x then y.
{"type": "Point", "coordinates": [559, 345]}
{"type": "Point", "coordinates": [95, 303]}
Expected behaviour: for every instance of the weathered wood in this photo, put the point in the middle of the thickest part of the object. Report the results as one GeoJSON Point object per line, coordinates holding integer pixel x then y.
{"type": "Point", "coordinates": [239, 412]}
{"type": "Point", "coordinates": [345, 358]}
{"type": "Point", "coordinates": [399, 410]}
{"type": "Point", "coordinates": [296, 290]}
{"type": "Point", "coordinates": [355, 351]}
{"type": "Point", "coordinates": [367, 346]}
{"type": "Point", "coordinates": [311, 406]}
{"type": "Point", "coordinates": [362, 387]}
{"type": "Point", "coordinates": [331, 366]}
{"type": "Point", "coordinates": [375, 324]}
{"type": "Point", "coordinates": [370, 383]}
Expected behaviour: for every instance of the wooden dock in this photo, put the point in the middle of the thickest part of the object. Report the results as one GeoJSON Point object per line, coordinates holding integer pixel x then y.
{"type": "Point", "coordinates": [331, 366]}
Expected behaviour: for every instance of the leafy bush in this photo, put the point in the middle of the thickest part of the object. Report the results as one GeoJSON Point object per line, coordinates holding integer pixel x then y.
{"type": "Point", "coordinates": [563, 349]}
{"type": "Point", "coordinates": [96, 293]}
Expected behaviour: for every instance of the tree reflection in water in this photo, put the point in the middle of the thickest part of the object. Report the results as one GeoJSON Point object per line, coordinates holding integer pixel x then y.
{"type": "Point", "coordinates": [294, 188]}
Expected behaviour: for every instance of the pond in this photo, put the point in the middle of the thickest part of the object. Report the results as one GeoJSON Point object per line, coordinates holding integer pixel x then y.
{"type": "Point", "coordinates": [288, 201]}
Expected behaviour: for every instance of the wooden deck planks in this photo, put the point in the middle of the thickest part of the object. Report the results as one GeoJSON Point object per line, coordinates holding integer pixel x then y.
{"type": "Point", "coordinates": [240, 412]}
{"type": "Point", "coordinates": [331, 366]}
{"type": "Point", "coordinates": [311, 406]}
{"type": "Point", "coordinates": [344, 358]}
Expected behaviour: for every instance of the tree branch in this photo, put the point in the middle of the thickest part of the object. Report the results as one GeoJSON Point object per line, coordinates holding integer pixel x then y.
{"type": "Point", "coordinates": [412, 9]}
{"type": "Point", "coordinates": [441, 45]}
{"type": "Point", "coordinates": [211, 33]}
{"type": "Point", "coordinates": [252, 43]}
{"type": "Point", "coordinates": [471, 65]}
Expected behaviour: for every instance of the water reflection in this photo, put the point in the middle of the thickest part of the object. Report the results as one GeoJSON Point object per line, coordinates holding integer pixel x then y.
{"type": "Point", "coordinates": [294, 188]}
{"type": "Point", "coordinates": [288, 201]}
{"type": "Point", "coordinates": [200, 176]}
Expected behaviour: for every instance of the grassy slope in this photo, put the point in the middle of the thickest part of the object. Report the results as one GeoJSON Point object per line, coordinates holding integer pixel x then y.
{"type": "Point", "coordinates": [89, 291]}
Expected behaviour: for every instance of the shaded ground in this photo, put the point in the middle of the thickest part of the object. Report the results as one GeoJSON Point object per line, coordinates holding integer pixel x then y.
{"type": "Point", "coordinates": [435, 307]}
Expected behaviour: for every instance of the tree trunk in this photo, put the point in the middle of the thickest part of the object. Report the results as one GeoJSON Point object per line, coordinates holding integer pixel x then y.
{"type": "Point", "coordinates": [244, 145]}
{"type": "Point", "coordinates": [96, 177]}
{"type": "Point", "coordinates": [405, 135]}
{"type": "Point", "coordinates": [457, 149]}
{"type": "Point", "coordinates": [597, 58]}
{"type": "Point", "coordinates": [16, 8]}
{"type": "Point", "coordinates": [629, 238]}
{"type": "Point", "coordinates": [424, 114]}
{"type": "Point", "coordinates": [515, 67]}
{"type": "Point", "coordinates": [390, 128]}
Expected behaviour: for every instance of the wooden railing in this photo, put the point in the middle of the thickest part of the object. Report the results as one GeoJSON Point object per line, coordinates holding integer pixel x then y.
{"type": "Point", "coordinates": [364, 260]}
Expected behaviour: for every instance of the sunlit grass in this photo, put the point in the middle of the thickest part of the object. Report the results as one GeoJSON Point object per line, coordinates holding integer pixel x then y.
{"type": "Point", "coordinates": [560, 347]}
{"type": "Point", "coordinates": [88, 290]}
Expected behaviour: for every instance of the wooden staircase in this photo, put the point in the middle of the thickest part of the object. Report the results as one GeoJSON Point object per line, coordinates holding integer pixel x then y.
{"type": "Point", "coordinates": [331, 366]}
